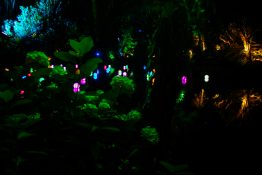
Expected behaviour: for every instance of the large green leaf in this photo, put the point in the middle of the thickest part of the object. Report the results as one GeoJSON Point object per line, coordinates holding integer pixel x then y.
{"type": "Point", "coordinates": [65, 56]}
{"type": "Point", "coordinates": [23, 135]}
{"type": "Point", "coordinates": [109, 129]}
{"type": "Point", "coordinates": [6, 95]}
{"type": "Point", "coordinates": [42, 72]}
{"type": "Point", "coordinates": [16, 118]}
{"type": "Point", "coordinates": [86, 44]}
{"type": "Point", "coordinates": [82, 47]}
{"type": "Point", "coordinates": [22, 102]}
{"type": "Point", "coordinates": [75, 45]}
{"type": "Point", "coordinates": [174, 168]}
{"type": "Point", "coordinates": [90, 65]}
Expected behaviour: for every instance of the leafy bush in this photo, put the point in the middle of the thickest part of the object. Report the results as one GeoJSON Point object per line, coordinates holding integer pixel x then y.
{"type": "Point", "coordinates": [150, 134]}
{"type": "Point", "coordinates": [122, 85]}
{"type": "Point", "coordinates": [37, 58]}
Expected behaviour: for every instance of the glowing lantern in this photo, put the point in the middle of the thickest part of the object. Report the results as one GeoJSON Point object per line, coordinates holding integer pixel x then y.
{"type": "Point", "coordinates": [119, 72]}
{"type": "Point", "coordinates": [124, 74]}
{"type": "Point", "coordinates": [40, 81]}
{"type": "Point", "coordinates": [22, 92]}
{"type": "Point", "coordinates": [218, 47]}
{"type": "Point", "coordinates": [83, 81]}
{"type": "Point", "coordinates": [77, 72]}
{"type": "Point", "coordinates": [206, 78]}
{"type": "Point", "coordinates": [95, 76]}
{"type": "Point", "coordinates": [97, 53]}
{"type": "Point", "coordinates": [108, 69]}
{"type": "Point", "coordinates": [153, 81]}
{"type": "Point", "coordinates": [76, 87]}
{"type": "Point", "coordinates": [184, 80]}
{"type": "Point", "coordinates": [190, 54]}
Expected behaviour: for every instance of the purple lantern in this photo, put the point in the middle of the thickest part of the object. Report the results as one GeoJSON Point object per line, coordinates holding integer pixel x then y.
{"type": "Point", "coordinates": [83, 81]}
{"type": "Point", "coordinates": [184, 80]}
{"type": "Point", "coordinates": [76, 87]}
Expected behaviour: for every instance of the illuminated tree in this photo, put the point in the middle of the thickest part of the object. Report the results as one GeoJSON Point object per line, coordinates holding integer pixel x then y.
{"type": "Point", "coordinates": [238, 41]}
{"type": "Point", "coordinates": [31, 19]}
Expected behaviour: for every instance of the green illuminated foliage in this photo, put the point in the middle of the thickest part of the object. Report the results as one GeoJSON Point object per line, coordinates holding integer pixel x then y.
{"type": "Point", "coordinates": [150, 134]}
{"type": "Point", "coordinates": [31, 19]}
{"type": "Point", "coordinates": [181, 97]}
{"type": "Point", "coordinates": [133, 115]}
{"type": "Point", "coordinates": [37, 59]}
{"type": "Point", "coordinates": [128, 44]}
{"type": "Point", "coordinates": [79, 50]}
{"type": "Point", "coordinates": [58, 70]}
{"type": "Point", "coordinates": [89, 108]}
{"type": "Point", "coordinates": [175, 169]}
{"type": "Point", "coordinates": [23, 135]}
{"type": "Point", "coordinates": [78, 53]}
{"type": "Point", "coordinates": [111, 55]}
{"type": "Point", "coordinates": [122, 85]}
{"type": "Point", "coordinates": [52, 86]}
{"type": "Point", "coordinates": [6, 95]}
{"type": "Point", "coordinates": [82, 47]}
{"type": "Point", "coordinates": [90, 65]}
{"type": "Point", "coordinates": [65, 56]}
{"type": "Point", "coordinates": [104, 105]}
{"type": "Point", "coordinates": [16, 118]}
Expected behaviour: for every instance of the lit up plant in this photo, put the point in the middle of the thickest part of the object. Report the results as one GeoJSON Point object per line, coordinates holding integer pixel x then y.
{"type": "Point", "coordinates": [77, 54]}
{"type": "Point", "coordinates": [37, 59]}
{"type": "Point", "coordinates": [127, 44]}
{"type": "Point", "coordinates": [31, 19]}
{"type": "Point", "coordinates": [150, 134]}
{"type": "Point", "coordinates": [122, 85]}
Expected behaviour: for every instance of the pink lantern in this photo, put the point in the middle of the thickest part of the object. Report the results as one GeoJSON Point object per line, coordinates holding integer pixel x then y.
{"type": "Point", "coordinates": [83, 81]}
{"type": "Point", "coordinates": [184, 80]}
{"type": "Point", "coordinates": [22, 92]}
{"type": "Point", "coordinates": [76, 87]}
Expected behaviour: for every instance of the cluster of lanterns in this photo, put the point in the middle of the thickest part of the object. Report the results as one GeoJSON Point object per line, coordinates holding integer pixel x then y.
{"type": "Point", "coordinates": [184, 79]}
{"type": "Point", "coordinates": [123, 71]}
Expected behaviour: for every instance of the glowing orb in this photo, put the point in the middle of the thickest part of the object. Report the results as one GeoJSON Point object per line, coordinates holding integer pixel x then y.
{"type": "Point", "coordinates": [76, 87]}
{"type": "Point", "coordinates": [97, 53]}
{"type": "Point", "coordinates": [184, 80]}
{"type": "Point", "coordinates": [206, 78]}
{"type": "Point", "coordinates": [83, 81]}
